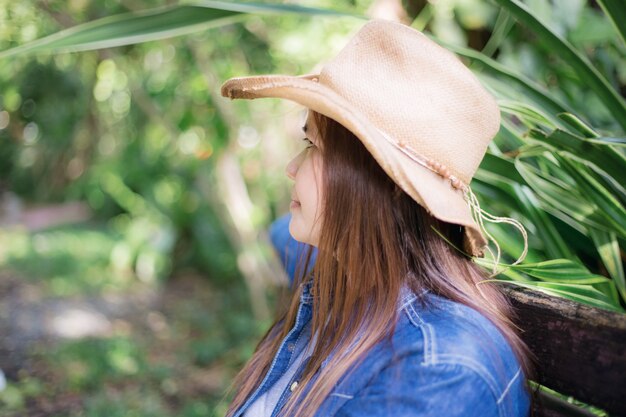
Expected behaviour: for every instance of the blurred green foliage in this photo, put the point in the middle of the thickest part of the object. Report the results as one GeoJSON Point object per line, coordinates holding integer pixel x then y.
{"type": "Point", "coordinates": [67, 260]}
{"type": "Point", "coordinates": [175, 356]}
{"type": "Point", "coordinates": [180, 178]}
{"type": "Point", "coordinates": [134, 130]}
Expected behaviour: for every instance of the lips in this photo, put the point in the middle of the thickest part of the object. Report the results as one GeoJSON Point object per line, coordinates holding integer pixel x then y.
{"type": "Point", "coordinates": [294, 203]}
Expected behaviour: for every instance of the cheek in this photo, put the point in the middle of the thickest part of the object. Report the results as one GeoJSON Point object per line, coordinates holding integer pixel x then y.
{"type": "Point", "coordinates": [314, 186]}
{"type": "Point", "coordinates": [319, 184]}
{"type": "Point", "coordinates": [309, 187]}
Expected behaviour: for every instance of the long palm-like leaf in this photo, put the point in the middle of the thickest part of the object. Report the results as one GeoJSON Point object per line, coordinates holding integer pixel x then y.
{"type": "Point", "coordinates": [609, 207]}
{"type": "Point", "coordinates": [554, 244]}
{"type": "Point", "coordinates": [616, 11]}
{"type": "Point", "coordinates": [561, 270]}
{"type": "Point", "coordinates": [504, 23]}
{"type": "Point", "coordinates": [562, 198]}
{"type": "Point", "coordinates": [154, 24]}
{"type": "Point", "coordinates": [585, 294]}
{"type": "Point", "coordinates": [609, 141]}
{"type": "Point", "coordinates": [587, 73]}
{"type": "Point", "coordinates": [604, 158]}
{"type": "Point", "coordinates": [529, 115]}
{"type": "Point", "coordinates": [580, 126]}
{"type": "Point", "coordinates": [609, 251]}
{"type": "Point", "coordinates": [501, 166]}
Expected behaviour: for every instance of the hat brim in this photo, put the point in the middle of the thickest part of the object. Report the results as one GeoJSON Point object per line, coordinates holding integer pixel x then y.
{"type": "Point", "coordinates": [427, 188]}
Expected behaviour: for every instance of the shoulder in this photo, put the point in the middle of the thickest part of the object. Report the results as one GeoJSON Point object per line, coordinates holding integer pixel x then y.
{"type": "Point", "coordinates": [409, 388]}
{"type": "Point", "coordinates": [443, 358]}
{"type": "Point", "coordinates": [449, 336]}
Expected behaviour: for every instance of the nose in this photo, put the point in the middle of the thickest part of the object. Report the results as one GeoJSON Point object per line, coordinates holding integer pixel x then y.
{"type": "Point", "coordinates": [292, 167]}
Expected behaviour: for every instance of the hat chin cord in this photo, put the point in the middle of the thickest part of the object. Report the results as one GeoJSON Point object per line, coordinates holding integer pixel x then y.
{"type": "Point", "coordinates": [479, 214]}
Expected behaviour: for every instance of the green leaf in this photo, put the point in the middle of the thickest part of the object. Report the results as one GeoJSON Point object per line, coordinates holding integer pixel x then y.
{"type": "Point", "coordinates": [503, 167]}
{"type": "Point", "coordinates": [580, 126]}
{"type": "Point", "coordinates": [504, 23]}
{"type": "Point", "coordinates": [561, 270]}
{"type": "Point", "coordinates": [512, 242]}
{"type": "Point", "coordinates": [587, 73]}
{"type": "Point", "coordinates": [616, 12]}
{"type": "Point", "coordinates": [527, 113]}
{"type": "Point", "coordinates": [586, 151]}
{"type": "Point", "coordinates": [154, 24]}
{"type": "Point", "coordinates": [609, 251]}
{"type": "Point", "coordinates": [614, 187]}
{"type": "Point", "coordinates": [592, 29]}
{"type": "Point", "coordinates": [562, 197]}
{"type": "Point", "coordinates": [608, 141]}
{"type": "Point", "coordinates": [511, 273]}
{"type": "Point", "coordinates": [609, 207]}
{"type": "Point", "coordinates": [422, 19]}
{"type": "Point", "coordinates": [554, 244]}
{"type": "Point", "coordinates": [493, 190]}
{"type": "Point", "coordinates": [508, 140]}
{"type": "Point", "coordinates": [584, 294]}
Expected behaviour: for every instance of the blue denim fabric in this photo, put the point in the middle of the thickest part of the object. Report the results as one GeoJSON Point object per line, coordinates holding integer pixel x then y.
{"type": "Point", "coordinates": [266, 403]}
{"type": "Point", "coordinates": [447, 360]}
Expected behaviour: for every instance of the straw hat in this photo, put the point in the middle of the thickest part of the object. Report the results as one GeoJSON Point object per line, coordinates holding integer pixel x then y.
{"type": "Point", "coordinates": [418, 110]}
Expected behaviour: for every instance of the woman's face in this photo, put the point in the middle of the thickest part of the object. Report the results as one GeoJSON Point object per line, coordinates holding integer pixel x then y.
{"type": "Point", "coordinates": [306, 196]}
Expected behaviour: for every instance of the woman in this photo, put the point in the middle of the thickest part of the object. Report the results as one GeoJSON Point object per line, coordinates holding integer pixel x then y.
{"type": "Point", "coordinates": [390, 320]}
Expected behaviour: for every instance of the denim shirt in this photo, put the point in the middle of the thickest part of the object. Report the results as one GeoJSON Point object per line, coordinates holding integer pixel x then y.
{"type": "Point", "coordinates": [448, 360]}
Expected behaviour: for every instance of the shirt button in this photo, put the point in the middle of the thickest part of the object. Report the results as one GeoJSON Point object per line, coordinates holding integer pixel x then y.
{"type": "Point", "coordinates": [290, 347]}
{"type": "Point", "coordinates": [293, 386]}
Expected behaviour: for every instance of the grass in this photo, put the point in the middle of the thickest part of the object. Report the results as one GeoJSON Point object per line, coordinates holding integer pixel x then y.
{"type": "Point", "coordinates": [175, 357]}
{"type": "Point", "coordinates": [66, 260]}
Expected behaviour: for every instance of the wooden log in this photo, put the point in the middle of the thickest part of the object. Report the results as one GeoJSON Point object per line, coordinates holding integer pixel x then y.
{"type": "Point", "coordinates": [581, 350]}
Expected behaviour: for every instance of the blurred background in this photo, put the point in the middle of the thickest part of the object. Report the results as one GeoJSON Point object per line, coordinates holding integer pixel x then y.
{"type": "Point", "coordinates": [136, 273]}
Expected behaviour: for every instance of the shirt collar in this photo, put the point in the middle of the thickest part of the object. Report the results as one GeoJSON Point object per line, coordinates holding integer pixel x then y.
{"type": "Point", "coordinates": [407, 296]}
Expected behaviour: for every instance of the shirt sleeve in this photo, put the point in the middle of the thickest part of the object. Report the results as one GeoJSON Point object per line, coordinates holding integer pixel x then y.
{"type": "Point", "coordinates": [290, 251]}
{"type": "Point", "coordinates": [417, 390]}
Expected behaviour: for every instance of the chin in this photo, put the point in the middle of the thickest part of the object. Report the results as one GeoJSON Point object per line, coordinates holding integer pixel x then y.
{"type": "Point", "coordinates": [297, 233]}
{"type": "Point", "coordinates": [294, 231]}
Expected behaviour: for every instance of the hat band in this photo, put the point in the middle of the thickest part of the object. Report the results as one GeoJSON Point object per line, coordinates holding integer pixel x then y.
{"type": "Point", "coordinates": [428, 163]}
{"type": "Point", "coordinates": [478, 214]}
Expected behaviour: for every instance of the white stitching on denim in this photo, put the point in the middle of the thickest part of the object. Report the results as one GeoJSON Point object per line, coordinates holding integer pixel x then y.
{"type": "Point", "coordinates": [291, 357]}
{"type": "Point", "coordinates": [425, 328]}
{"type": "Point", "coordinates": [473, 365]}
{"type": "Point", "coordinates": [460, 360]}
{"type": "Point", "coordinates": [430, 355]}
{"type": "Point", "coordinates": [485, 377]}
{"type": "Point", "coordinates": [433, 343]}
{"type": "Point", "coordinates": [411, 318]}
{"type": "Point", "coordinates": [509, 385]}
{"type": "Point", "coordinates": [347, 397]}
{"type": "Point", "coordinates": [408, 301]}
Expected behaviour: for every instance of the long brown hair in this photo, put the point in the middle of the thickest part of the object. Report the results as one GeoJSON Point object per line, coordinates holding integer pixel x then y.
{"type": "Point", "coordinates": [374, 238]}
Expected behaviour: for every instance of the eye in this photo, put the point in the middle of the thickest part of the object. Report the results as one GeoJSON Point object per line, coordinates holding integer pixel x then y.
{"type": "Point", "coordinates": [309, 143]}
